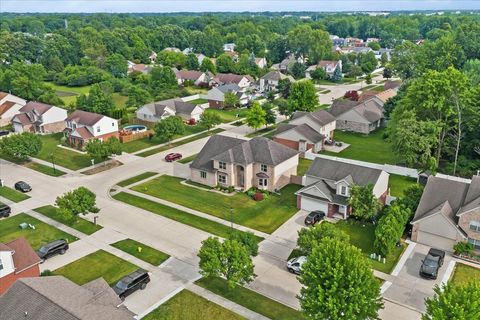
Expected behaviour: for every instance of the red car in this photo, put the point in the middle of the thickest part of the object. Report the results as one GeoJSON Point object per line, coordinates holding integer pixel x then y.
{"type": "Point", "coordinates": [173, 157]}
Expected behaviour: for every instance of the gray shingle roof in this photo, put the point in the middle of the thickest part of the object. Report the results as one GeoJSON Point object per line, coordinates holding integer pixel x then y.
{"type": "Point", "coordinates": [322, 117]}
{"type": "Point", "coordinates": [274, 75]}
{"type": "Point", "coordinates": [306, 131]}
{"type": "Point", "coordinates": [57, 298]}
{"type": "Point", "coordinates": [176, 104]}
{"type": "Point", "coordinates": [371, 109]}
{"type": "Point", "coordinates": [217, 144]}
{"type": "Point", "coordinates": [323, 191]}
{"type": "Point", "coordinates": [337, 170]}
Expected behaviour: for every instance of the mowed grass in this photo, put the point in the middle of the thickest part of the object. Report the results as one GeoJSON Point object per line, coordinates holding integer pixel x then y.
{"type": "Point", "coordinates": [463, 274]}
{"type": "Point", "coordinates": [303, 165]}
{"type": "Point", "coordinates": [135, 179]}
{"type": "Point", "coordinates": [229, 115]}
{"type": "Point", "coordinates": [266, 215]}
{"type": "Point", "coordinates": [95, 265]}
{"type": "Point", "coordinates": [370, 148]}
{"type": "Point", "coordinates": [398, 184]}
{"type": "Point", "coordinates": [194, 221]}
{"type": "Point", "coordinates": [362, 236]}
{"type": "Point", "coordinates": [34, 166]}
{"type": "Point", "coordinates": [145, 253]}
{"type": "Point", "coordinates": [188, 159]}
{"type": "Point", "coordinates": [77, 223]}
{"type": "Point", "coordinates": [12, 194]}
{"type": "Point", "coordinates": [42, 234]}
{"type": "Point", "coordinates": [187, 305]}
{"type": "Point", "coordinates": [179, 143]}
{"type": "Point", "coordinates": [250, 300]}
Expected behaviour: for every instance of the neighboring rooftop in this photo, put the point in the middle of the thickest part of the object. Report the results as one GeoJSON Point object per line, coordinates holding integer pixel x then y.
{"type": "Point", "coordinates": [85, 118]}
{"type": "Point", "coordinates": [322, 117]}
{"type": "Point", "coordinates": [38, 107]}
{"type": "Point", "coordinates": [24, 256]}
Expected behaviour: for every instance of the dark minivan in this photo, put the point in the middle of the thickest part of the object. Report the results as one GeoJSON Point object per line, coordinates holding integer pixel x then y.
{"type": "Point", "coordinates": [314, 217]}
{"type": "Point", "coordinates": [52, 248]}
{"type": "Point", "coordinates": [5, 211]}
{"type": "Point", "coordinates": [131, 283]}
{"type": "Point", "coordinates": [432, 263]}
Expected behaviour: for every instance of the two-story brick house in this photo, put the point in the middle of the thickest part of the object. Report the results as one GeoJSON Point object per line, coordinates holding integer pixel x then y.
{"type": "Point", "coordinates": [448, 212]}
{"type": "Point", "coordinates": [82, 126]}
{"type": "Point", "coordinates": [39, 118]}
{"type": "Point", "coordinates": [243, 164]}
{"type": "Point", "coordinates": [328, 183]}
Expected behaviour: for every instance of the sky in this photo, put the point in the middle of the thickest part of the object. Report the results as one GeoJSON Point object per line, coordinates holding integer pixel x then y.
{"type": "Point", "coordinates": [231, 5]}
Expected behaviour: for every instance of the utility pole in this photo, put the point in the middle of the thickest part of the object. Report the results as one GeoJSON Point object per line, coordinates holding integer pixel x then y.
{"type": "Point", "coordinates": [231, 217]}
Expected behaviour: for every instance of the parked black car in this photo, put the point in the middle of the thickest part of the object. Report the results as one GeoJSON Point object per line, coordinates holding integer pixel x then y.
{"type": "Point", "coordinates": [52, 248]}
{"type": "Point", "coordinates": [131, 283]}
{"type": "Point", "coordinates": [4, 133]}
{"type": "Point", "coordinates": [23, 186]}
{"type": "Point", "coordinates": [314, 217]}
{"type": "Point", "coordinates": [432, 263]}
{"type": "Point", "coordinates": [4, 211]}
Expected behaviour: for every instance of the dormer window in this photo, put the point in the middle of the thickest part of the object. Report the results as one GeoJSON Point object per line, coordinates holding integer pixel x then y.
{"type": "Point", "coordinates": [222, 165]}
{"type": "Point", "coordinates": [343, 190]}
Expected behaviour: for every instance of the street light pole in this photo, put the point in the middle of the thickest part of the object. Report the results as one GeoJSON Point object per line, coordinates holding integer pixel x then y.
{"type": "Point", "coordinates": [231, 217]}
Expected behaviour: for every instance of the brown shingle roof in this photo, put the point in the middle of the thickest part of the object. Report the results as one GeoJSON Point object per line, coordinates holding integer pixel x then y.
{"type": "Point", "coordinates": [6, 106]}
{"type": "Point", "coordinates": [189, 74]}
{"type": "Point", "coordinates": [227, 78]}
{"type": "Point", "coordinates": [24, 256]}
{"type": "Point", "coordinates": [39, 107]}
{"type": "Point", "coordinates": [3, 95]}
{"type": "Point", "coordinates": [85, 118]}
{"type": "Point", "coordinates": [22, 118]}
{"type": "Point", "coordinates": [84, 133]}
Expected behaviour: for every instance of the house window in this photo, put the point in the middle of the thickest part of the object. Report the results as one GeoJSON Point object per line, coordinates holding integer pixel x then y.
{"type": "Point", "coordinates": [476, 243]}
{"type": "Point", "coordinates": [343, 190]}
{"type": "Point", "coordinates": [263, 167]}
{"type": "Point", "coordinates": [203, 175]}
{"type": "Point", "coordinates": [113, 124]}
{"type": "Point", "coordinates": [222, 179]}
{"type": "Point", "coordinates": [98, 129]}
{"type": "Point", "coordinates": [262, 182]}
{"type": "Point", "coordinates": [475, 226]}
{"type": "Point", "coordinates": [222, 165]}
{"type": "Point", "coordinates": [1, 264]}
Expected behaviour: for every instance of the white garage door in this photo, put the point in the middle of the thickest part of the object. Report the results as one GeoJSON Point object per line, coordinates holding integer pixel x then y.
{"type": "Point", "coordinates": [435, 241]}
{"type": "Point", "coordinates": [308, 204]}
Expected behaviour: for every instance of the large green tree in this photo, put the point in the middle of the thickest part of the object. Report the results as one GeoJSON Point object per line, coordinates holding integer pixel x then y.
{"type": "Point", "coordinates": [76, 202]}
{"type": "Point", "coordinates": [21, 146]}
{"type": "Point", "coordinates": [167, 128]}
{"type": "Point", "coordinates": [308, 238]}
{"type": "Point", "coordinates": [116, 64]}
{"type": "Point", "coordinates": [256, 116]}
{"type": "Point", "coordinates": [307, 42]}
{"type": "Point", "coordinates": [209, 120]}
{"type": "Point", "coordinates": [364, 203]}
{"type": "Point", "coordinates": [302, 96]}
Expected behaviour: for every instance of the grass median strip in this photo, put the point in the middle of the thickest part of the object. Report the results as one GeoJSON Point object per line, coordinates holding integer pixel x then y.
{"type": "Point", "coordinates": [250, 300]}
{"type": "Point", "coordinates": [34, 166]}
{"type": "Point", "coordinates": [135, 179]}
{"type": "Point", "coordinates": [179, 143]}
{"type": "Point", "coordinates": [12, 194]}
{"type": "Point", "coordinates": [141, 251]}
{"type": "Point", "coordinates": [76, 223]}
{"type": "Point", "coordinates": [206, 225]}
{"type": "Point", "coordinates": [188, 159]}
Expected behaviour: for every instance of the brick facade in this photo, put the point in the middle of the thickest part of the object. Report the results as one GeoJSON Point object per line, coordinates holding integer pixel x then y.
{"type": "Point", "coordinates": [54, 127]}
{"type": "Point", "coordinates": [7, 281]}
{"type": "Point", "coordinates": [215, 104]}
{"type": "Point", "coordinates": [292, 144]}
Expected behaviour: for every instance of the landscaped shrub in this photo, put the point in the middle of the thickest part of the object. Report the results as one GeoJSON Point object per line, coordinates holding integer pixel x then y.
{"type": "Point", "coordinates": [258, 196]}
{"type": "Point", "coordinates": [463, 248]}
{"type": "Point", "coordinates": [251, 192]}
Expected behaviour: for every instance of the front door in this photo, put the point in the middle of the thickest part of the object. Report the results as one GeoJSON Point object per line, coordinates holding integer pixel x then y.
{"type": "Point", "coordinates": [240, 176]}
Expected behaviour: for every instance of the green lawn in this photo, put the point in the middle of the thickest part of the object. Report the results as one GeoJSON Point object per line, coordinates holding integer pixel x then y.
{"type": "Point", "coordinates": [78, 223]}
{"type": "Point", "coordinates": [198, 101]}
{"type": "Point", "coordinates": [34, 166]}
{"type": "Point", "coordinates": [370, 148]}
{"type": "Point", "coordinates": [188, 159]}
{"type": "Point", "coordinates": [262, 132]}
{"type": "Point", "coordinates": [266, 215]}
{"type": "Point", "coordinates": [229, 115]}
{"type": "Point", "coordinates": [179, 143]}
{"type": "Point", "coordinates": [464, 273]}
{"type": "Point", "coordinates": [303, 165]}
{"type": "Point", "coordinates": [12, 194]}
{"type": "Point", "coordinates": [135, 179]}
{"type": "Point", "coordinates": [398, 184]}
{"type": "Point", "coordinates": [77, 90]}
{"type": "Point", "coordinates": [147, 254]}
{"type": "Point", "coordinates": [95, 265]}
{"type": "Point", "coordinates": [43, 233]}
{"type": "Point", "coordinates": [119, 100]}
{"type": "Point", "coordinates": [250, 300]}
{"type": "Point", "coordinates": [187, 305]}
{"type": "Point", "coordinates": [362, 236]}
{"type": "Point", "coordinates": [194, 221]}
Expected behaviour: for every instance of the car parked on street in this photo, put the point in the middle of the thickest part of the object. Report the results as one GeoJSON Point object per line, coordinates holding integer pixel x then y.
{"type": "Point", "coordinates": [295, 265]}
{"type": "Point", "coordinates": [23, 186]}
{"type": "Point", "coordinates": [131, 283]}
{"type": "Point", "coordinates": [5, 211]}
{"type": "Point", "coordinates": [173, 157]}
{"type": "Point", "coordinates": [314, 217]}
{"type": "Point", "coordinates": [53, 248]}
{"type": "Point", "coordinates": [432, 263]}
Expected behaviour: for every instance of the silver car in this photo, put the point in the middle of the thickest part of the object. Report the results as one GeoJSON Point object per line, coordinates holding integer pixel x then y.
{"type": "Point", "coordinates": [295, 265]}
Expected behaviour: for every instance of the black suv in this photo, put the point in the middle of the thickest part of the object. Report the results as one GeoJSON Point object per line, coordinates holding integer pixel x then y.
{"type": "Point", "coordinates": [23, 186]}
{"type": "Point", "coordinates": [4, 211]}
{"type": "Point", "coordinates": [131, 283]}
{"type": "Point", "coordinates": [314, 217]}
{"type": "Point", "coordinates": [52, 248]}
{"type": "Point", "coordinates": [432, 263]}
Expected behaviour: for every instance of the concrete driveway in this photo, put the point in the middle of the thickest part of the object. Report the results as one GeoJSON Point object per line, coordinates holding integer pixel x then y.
{"type": "Point", "coordinates": [409, 288]}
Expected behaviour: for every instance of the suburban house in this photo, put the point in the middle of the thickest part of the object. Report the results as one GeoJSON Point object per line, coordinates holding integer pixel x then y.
{"type": "Point", "coordinates": [328, 183]}
{"type": "Point", "coordinates": [286, 64]}
{"type": "Point", "coordinates": [358, 116]}
{"type": "Point", "coordinates": [383, 96]}
{"type": "Point", "coordinates": [261, 62]}
{"type": "Point", "coordinates": [10, 105]}
{"type": "Point", "coordinates": [138, 67]}
{"type": "Point", "coordinates": [243, 164]}
{"type": "Point", "coordinates": [229, 47]}
{"type": "Point", "coordinates": [153, 57]}
{"type": "Point", "coordinates": [243, 81]}
{"type": "Point", "coordinates": [448, 212]}
{"type": "Point", "coordinates": [306, 130]}
{"type": "Point", "coordinates": [337, 41]}
{"type": "Point", "coordinates": [172, 49]}
{"type": "Point", "coordinates": [269, 81]}
{"type": "Point", "coordinates": [232, 54]}
{"type": "Point", "coordinates": [56, 297]}
{"type": "Point", "coordinates": [39, 118]}
{"type": "Point", "coordinates": [216, 95]}
{"type": "Point", "coordinates": [155, 111]}
{"type": "Point", "coordinates": [198, 78]}
{"type": "Point", "coordinates": [17, 260]}
{"type": "Point", "coordinates": [82, 126]}
{"type": "Point", "coordinates": [328, 65]}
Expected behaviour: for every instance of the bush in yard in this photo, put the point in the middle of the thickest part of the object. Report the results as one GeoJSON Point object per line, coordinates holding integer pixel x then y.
{"type": "Point", "coordinates": [248, 239]}
{"type": "Point", "coordinates": [21, 146]}
{"type": "Point", "coordinates": [310, 237]}
{"type": "Point", "coordinates": [463, 248]}
{"type": "Point", "coordinates": [103, 149]}
{"type": "Point", "coordinates": [209, 120]}
{"type": "Point", "coordinates": [352, 95]}
{"type": "Point", "coordinates": [390, 228]}
{"type": "Point", "coordinates": [46, 273]}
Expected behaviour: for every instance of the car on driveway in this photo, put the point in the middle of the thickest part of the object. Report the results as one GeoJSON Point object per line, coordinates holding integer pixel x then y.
{"type": "Point", "coordinates": [432, 263]}
{"type": "Point", "coordinates": [131, 283]}
{"type": "Point", "coordinates": [173, 157]}
{"type": "Point", "coordinates": [53, 248]}
{"type": "Point", "coordinates": [314, 217]}
{"type": "Point", "coordinates": [4, 133]}
{"type": "Point", "coordinates": [23, 186]}
{"type": "Point", "coordinates": [295, 265]}
{"type": "Point", "coordinates": [5, 211]}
